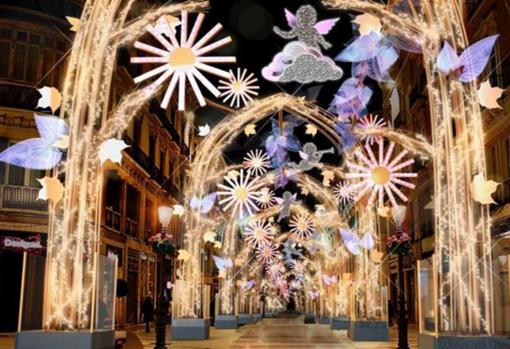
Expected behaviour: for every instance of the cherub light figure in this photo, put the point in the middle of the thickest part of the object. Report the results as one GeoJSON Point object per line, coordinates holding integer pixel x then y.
{"type": "Point", "coordinates": [304, 26]}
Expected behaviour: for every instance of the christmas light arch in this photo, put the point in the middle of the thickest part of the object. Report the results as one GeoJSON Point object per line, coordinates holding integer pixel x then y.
{"type": "Point", "coordinates": [73, 241]}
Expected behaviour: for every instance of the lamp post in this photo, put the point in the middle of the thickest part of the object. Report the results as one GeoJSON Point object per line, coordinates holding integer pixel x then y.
{"type": "Point", "coordinates": [400, 243]}
{"type": "Point", "coordinates": [164, 238]}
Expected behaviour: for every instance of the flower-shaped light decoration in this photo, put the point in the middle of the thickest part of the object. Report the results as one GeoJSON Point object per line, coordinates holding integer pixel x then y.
{"type": "Point", "coordinates": [240, 194]}
{"type": "Point", "coordinates": [182, 60]}
{"type": "Point", "coordinates": [258, 234]}
{"type": "Point", "coordinates": [298, 267]}
{"type": "Point", "coordinates": [267, 253]}
{"type": "Point", "coordinates": [266, 198]}
{"type": "Point", "coordinates": [343, 192]}
{"type": "Point", "coordinates": [256, 162]}
{"type": "Point", "coordinates": [275, 270]}
{"type": "Point", "coordinates": [239, 88]}
{"type": "Point", "coordinates": [371, 122]}
{"type": "Point", "coordinates": [381, 175]}
{"type": "Point", "coordinates": [301, 225]}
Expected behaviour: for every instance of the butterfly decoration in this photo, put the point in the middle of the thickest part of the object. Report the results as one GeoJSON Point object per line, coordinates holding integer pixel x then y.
{"type": "Point", "coordinates": [329, 280]}
{"type": "Point", "coordinates": [42, 153]}
{"type": "Point", "coordinates": [222, 263]}
{"type": "Point", "coordinates": [282, 140]}
{"type": "Point", "coordinates": [305, 27]}
{"type": "Point", "coordinates": [205, 204]}
{"type": "Point", "coordinates": [353, 243]}
{"type": "Point", "coordinates": [471, 62]}
{"type": "Point", "coordinates": [313, 295]}
{"type": "Point", "coordinates": [351, 99]}
{"type": "Point", "coordinates": [377, 53]}
{"type": "Point", "coordinates": [248, 285]}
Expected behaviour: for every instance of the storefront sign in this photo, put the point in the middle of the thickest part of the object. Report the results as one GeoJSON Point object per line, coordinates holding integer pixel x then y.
{"type": "Point", "coordinates": [32, 244]}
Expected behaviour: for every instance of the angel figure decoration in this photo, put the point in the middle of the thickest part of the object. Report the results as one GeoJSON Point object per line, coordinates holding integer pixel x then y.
{"type": "Point", "coordinates": [305, 27]}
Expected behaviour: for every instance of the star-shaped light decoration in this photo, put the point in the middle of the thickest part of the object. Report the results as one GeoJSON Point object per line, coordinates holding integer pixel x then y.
{"type": "Point", "coordinates": [275, 270]}
{"type": "Point", "coordinates": [111, 149]}
{"type": "Point", "coordinates": [298, 267]}
{"type": "Point", "coordinates": [380, 176]}
{"type": "Point", "coordinates": [239, 195]}
{"type": "Point", "coordinates": [368, 23]}
{"type": "Point", "coordinates": [488, 96]}
{"type": "Point", "coordinates": [183, 60]}
{"type": "Point", "coordinates": [371, 122]}
{"type": "Point", "coordinates": [52, 189]}
{"type": "Point", "coordinates": [250, 130]}
{"type": "Point", "coordinates": [343, 192]}
{"type": "Point", "coordinates": [256, 162]}
{"type": "Point", "coordinates": [178, 210]}
{"type": "Point", "coordinates": [311, 130]}
{"type": "Point", "coordinates": [239, 88]}
{"type": "Point", "coordinates": [327, 177]}
{"type": "Point", "coordinates": [267, 253]}
{"type": "Point", "coordinates": [204, 130]}
{"type": "Point", "coordinates": [74, 22]}
{"type": "Point", "coordinates": [301, 225]}
{"type": "Point", "coordinates": [258, 233]}
{"type": "Point", "coordinates": [50, 98]}
{"type": "Point", "coordinates": [183, 255]}
{"type": "Point", "coordinates": [482, 189]}
{"type": "Point", "coordinates": [266, 198]}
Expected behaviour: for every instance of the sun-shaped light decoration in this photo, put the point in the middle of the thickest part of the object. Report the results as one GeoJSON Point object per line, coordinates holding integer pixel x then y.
{"type": "Point", "coordinates": [301, 225]}
{"type": "Point", "coordinates": [258, 233]}
{"type": "Point", "coordinates": [343, 192]}
{"type": "Point", "coordinates": [298, 267]}
{"type": "Point", "coordinates": [241, 193]}
{"type": "Point", "coordinates": [183, 60]}
{"type": "Point", "coordinates": [266, 198]}
{"type": "Point", "coordinates": [256, 162]}
{"type": "Point", "coordinates": [275, 270]}
{"type": "Point", "coordinates": [267, 253]}
{"type": "Point", "coordinates": [239, 88]}
{"type": "Point", "coordinates": [380, 175]}
{"type": "Point", "coordinates": [371, 122]}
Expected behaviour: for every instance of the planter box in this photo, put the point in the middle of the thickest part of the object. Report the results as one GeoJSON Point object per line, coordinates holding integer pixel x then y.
{"type": "Point", "coordinates": [324, 320]}
{"type": "Point", "coordinates": [340, 323]}
{"type": "Point", "coordinates": [368, 331]}
{"type": "Point", "coordinates": [190, 329]}
{"type": "Point", "coordinates": [65, 340]}
{"type": "Point", "coordinates": [426, 341]}
{"type": "Point", "coordinates": [225, 322]}
{"type": "Point", "coordinates": [243, 319]}
{"type": "Point", "coordinates": [309, 319]}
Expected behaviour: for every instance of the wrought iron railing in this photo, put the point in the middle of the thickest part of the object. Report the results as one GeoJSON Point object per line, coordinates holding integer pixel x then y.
{"type": "Point", "coordinates": [23, 198]}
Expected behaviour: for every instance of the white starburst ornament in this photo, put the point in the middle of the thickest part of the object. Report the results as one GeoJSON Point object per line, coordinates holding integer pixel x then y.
{"type": "Point", "coordinates": [298, 267]}
{"type": "Point", "coordinates": [275, 270]}
{"type": "Point", "coordinates": [267, 253]}
{"type": "Point", "coordinates": [371, 122]}
{"type": "Point", "coordinates": [239, 89]}
{"type": "Point", "coordinates": [182, 60]}
{"type": "Point", "coordinates": [258, 233]}
{"type": "Point", "coordinates": [343, 192]}
{"type": "Point", "coordinates": [256, 162]}
{"type": "Point", "coordinates": [380, 176]}
{"type": "Point", "coordinates": [239, 195]}
{"type": "Point", "coordinates": [266, 198]}
{"type": "Point", "coordinates": [301, 225]}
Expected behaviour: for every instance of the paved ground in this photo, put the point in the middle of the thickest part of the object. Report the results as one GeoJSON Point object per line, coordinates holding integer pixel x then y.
{"type": "Point", "coordinates": [281, 333]}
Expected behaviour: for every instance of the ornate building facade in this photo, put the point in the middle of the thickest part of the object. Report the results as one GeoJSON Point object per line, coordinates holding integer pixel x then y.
{"type": "Point", "coordinates": [34, 42]}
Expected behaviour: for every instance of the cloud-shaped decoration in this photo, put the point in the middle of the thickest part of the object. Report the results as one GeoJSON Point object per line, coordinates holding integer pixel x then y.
{"type": "Point", "coordinates": [303, 64]}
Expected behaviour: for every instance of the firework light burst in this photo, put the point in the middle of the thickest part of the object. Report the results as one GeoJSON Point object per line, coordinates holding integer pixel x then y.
{"type": "Point", "coordinates": [258, 233]}
{"type": "Point", "coordinates": [256, 162]}
{"type": "Point", "coordinates": [240, 194]}
{"type": "Point", "coordinates": [371, 122]}
{"type": "Point", "coordinates": [182, 60]}
{"type": "Point", "coordinates": [301, 225]}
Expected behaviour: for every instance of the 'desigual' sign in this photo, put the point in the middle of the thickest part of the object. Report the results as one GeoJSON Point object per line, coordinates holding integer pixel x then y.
{"type": "Point", "coordinates": [31, 244]}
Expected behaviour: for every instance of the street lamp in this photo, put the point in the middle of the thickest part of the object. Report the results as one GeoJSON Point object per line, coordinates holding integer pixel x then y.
{"type": "Point", "coordinates": [400, 243]}
{"type": "Point", "coordinates": [161, 243]}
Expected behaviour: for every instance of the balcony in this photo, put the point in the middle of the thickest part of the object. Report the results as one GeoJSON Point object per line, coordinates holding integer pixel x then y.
{"type": "Point", "coordinates": [131, 227]}
{"type": "Point", "coordinates": [112, 219]}
{"type": "Point", "coordinates": [20, 96]}
{"type": "Point", "coordinates": [22, 198]}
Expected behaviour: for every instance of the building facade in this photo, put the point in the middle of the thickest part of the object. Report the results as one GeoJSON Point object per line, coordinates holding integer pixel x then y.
{"type": "Point", "coordinates": [34, 44]}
